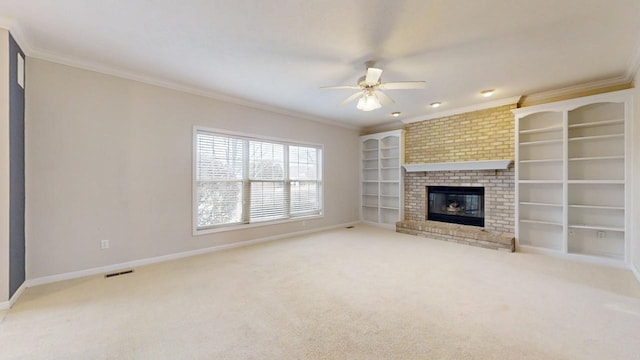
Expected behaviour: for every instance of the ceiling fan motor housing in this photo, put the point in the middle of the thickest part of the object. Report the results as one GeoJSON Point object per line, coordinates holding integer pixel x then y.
{"type": "Point", "coordinates": [363, 84]}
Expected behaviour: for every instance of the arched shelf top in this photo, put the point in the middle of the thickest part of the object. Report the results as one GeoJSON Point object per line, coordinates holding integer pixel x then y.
{"type": "Point", "coordinates": [617, 97]}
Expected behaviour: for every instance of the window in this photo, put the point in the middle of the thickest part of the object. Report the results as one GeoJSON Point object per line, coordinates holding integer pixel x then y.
{"type": "Point", "coordinates": [247, 180]}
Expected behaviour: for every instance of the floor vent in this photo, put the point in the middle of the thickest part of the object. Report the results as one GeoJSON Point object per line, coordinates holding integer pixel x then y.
{"type": "Point", "coordinates": [118, 273]}
{"type": "Point", "coordinates": [350, 227]}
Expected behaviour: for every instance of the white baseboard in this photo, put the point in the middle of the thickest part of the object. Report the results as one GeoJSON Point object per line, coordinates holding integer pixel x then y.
{"type": "Point", "coordinates": [572, 257]}
{"type": "Point", "coordinates": [380, 225]}
{"type": "Point", "coordinates": [8, 304]}
{"type": "Point", "coordinates": [158, 259]}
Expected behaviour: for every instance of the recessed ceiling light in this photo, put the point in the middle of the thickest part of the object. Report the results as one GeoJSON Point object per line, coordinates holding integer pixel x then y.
{"type": "Point", "coordinates": [487, 93]}
{"type": "Point", "coordinates": [435, 104]}
{"type": "Point", "coordinates": [395, 114]}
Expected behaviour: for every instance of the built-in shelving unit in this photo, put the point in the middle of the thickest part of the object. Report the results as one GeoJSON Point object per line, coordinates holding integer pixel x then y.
{"type": "Point", "coordinates": [573, 177]}
{"type": "Point", "coordinates": [381, 189]}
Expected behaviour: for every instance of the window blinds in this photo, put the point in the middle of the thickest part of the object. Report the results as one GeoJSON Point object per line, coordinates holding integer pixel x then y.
{"type": "Point", "coordinates": [267, 181]}
{"type": "Point", "coordinates": [219, 175]}
{"type": "Point", "coordinates": [246, 180]}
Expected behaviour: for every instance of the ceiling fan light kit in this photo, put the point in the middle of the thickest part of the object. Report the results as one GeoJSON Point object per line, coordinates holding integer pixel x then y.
{"type": "Point", "coordinates": [369, 101]}
{"type": "Point", "coordinates": [370, 95]}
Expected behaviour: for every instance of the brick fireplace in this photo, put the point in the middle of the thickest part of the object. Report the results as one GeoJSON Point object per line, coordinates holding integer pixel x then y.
{"type": "Point", "coordinates": [498, 194]}
{"type": "Point", "coordinates": [474, 136]}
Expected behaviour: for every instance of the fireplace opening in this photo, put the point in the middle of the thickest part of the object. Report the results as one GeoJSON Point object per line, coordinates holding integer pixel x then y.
{"type": "Point", "coordinates": [456, 204]}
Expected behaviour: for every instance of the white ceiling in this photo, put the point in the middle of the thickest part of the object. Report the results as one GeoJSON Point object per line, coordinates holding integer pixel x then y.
{"type": "Point", "coordinates": [277, 53]}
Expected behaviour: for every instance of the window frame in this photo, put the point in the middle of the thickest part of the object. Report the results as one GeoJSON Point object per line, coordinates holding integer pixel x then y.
{"type": "Point", "coordinates": [248, 137]}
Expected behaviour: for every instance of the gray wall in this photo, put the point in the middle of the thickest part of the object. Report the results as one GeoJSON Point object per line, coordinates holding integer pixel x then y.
{"type": "Point", "coordinates": [110, 158]}
{"type": "Point", "coordinates": [635, 241]}
{"type": "Point", "coordinates": [16, 172]}
{"type": "Point", "coordinates": [4, 165]}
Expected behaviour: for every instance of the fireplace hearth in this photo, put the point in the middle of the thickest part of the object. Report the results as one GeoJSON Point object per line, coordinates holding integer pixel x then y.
{"type": "Point", "coordinates": [456, 204]}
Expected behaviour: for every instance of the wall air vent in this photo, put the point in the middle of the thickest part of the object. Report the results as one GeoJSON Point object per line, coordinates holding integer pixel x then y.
{"type": "Point", "coordinates": [118, 273]}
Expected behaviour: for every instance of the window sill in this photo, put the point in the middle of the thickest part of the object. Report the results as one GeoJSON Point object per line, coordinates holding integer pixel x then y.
{"type": "Point", "coordinates": [197, 232]}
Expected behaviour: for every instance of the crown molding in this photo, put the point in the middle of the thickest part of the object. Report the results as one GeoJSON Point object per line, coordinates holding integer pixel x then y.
{"type": "Point", "coordinates": [465, 109]}
{"type": "Point", "coordinates": [570, 90]}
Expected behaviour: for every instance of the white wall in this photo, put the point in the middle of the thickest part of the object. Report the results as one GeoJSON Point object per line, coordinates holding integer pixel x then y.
{"type": "Point", "coordinates": [635, 242]}
{"type": "Point", "coordinates": [110, 158]}
{"type": "Point", "coordinates": [4, 165]}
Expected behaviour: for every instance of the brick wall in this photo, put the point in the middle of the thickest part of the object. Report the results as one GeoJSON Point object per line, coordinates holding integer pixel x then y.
{"type": "Point", "coordinates": [479, 135]}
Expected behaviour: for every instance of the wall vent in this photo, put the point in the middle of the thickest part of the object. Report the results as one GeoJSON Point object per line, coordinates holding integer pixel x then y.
{"type": "Point", "coordinates": [118, 273]}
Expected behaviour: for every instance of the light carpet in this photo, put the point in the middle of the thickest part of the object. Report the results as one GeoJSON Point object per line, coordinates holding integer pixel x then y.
{"type": "Point", "coordinates": [361, 293]}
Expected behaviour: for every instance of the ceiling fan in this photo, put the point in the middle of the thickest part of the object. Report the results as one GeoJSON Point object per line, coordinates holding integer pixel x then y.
{"type": "Point", "coordinates": [370, 89]}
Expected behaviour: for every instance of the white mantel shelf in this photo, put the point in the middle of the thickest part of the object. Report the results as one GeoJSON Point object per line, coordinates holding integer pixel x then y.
{"type": "Point", "coordinates": [460, 165]}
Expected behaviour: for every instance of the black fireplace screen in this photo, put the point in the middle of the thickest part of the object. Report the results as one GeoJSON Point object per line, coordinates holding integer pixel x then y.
{"type": "Point", "coordinates": [456, 204]}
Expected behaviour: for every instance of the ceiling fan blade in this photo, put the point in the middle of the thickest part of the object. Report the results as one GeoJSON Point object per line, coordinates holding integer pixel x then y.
{"type": "Point", "coordinates": [351, 98]}
{"type": "Point", "coordinates": [339, 87]}
{"type": "Point", "coordinates": [398, 85]}
{"type": "Point", "coordinates": [384, 98]}
{"type": "Point", "coordinates": [373, 76]}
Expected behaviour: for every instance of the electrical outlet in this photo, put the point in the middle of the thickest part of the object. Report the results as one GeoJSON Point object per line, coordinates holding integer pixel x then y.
{"type": "Point", "coordinates": [601, 234]}
{"type": "Point", "coordinates": [104, 244]}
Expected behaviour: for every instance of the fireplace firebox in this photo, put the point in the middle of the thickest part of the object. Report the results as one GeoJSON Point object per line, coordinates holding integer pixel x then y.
{"type": "Point", "coordinates": [456, 204]}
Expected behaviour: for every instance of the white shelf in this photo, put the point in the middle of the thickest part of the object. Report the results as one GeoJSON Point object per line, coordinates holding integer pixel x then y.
{"type": "Point", "coordinates": [597, 137]}
{"type": "Point", "coordinates": [605, 182]}
{"type": "Point", "coordinates": [597, 207]}
{"type": "Point", "coordinates": [539, 204]}
{"type": "Point", "coordinates": [542, 130]}
{"type": "Point", "coordinates": [540, 161]}
{"type": "Point", "coordinates": [540, 181]}
{"type": "Point", "coordinates": [389, 208]}
{"type": "Point", "coordinates": [597, 123]}
{"type": "Point", "coordinates": [596, 227]}
{"type": "Point", "coordinates": [541, 142]}
{"type": "Point", "coordinates": [597, 158]}
{"type": "Point", "coordinates": [540, 222]}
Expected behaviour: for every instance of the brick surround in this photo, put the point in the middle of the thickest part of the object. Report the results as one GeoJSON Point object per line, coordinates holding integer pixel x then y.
{"type": "Point", "coordinates": [474, 136]}
{"type": "Point", "coordinates": [498, 194]}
